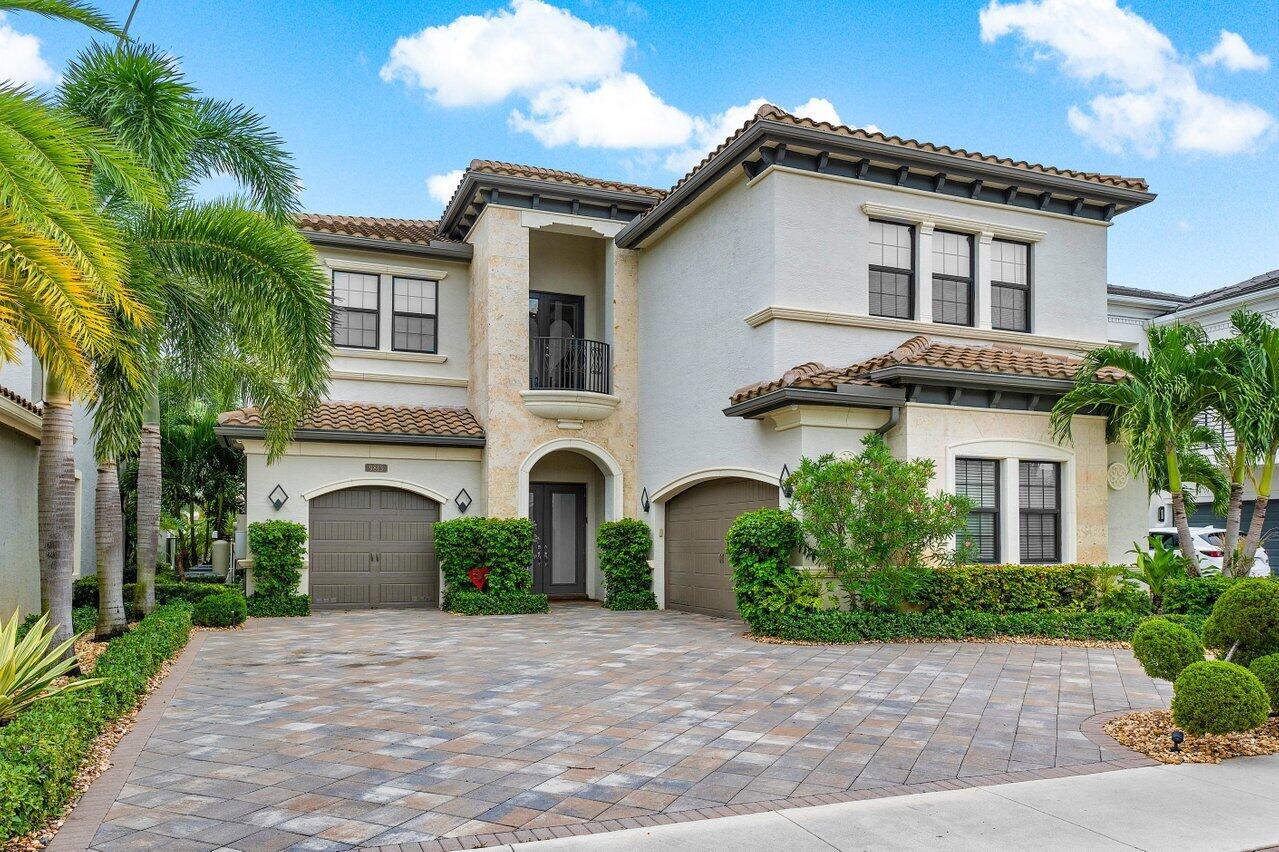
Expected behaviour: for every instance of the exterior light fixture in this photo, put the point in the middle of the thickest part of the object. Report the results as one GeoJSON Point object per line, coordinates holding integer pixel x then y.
{"type": "Point", "coordinates": [1177, 739]}
{"type": "Point", "coordinates": [278, 497]}
{"type": "Point", "coordinates": [1163, 515]}
{"type": "Point", "coordinates": [463, 501]}
{"type": "Point", "coordinates": [784, 482]}
{"type": "Point", "coordinates": [645, 502]}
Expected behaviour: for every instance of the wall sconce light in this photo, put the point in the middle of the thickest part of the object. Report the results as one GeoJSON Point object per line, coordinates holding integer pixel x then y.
{"type": "Point", "coordinates": [784, 482]}
{"type": "Point", "coordinates": [278, 497]}
{"type": "Point", "coordinates": [463, 501]}
{"type": "Point", "coordinates": [1163, 515]}
{"type": "Point", "coordinates": [645, 502]}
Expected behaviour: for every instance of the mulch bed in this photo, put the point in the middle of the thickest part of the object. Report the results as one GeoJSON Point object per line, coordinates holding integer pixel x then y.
{"type": "Point", "coordinates": [1150, 732]}
{"type": "Point", "coordinates": [991, 640]}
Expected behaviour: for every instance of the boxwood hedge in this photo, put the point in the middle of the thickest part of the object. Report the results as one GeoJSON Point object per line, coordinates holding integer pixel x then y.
{"type": "Point", "coordinates": [839, 626]}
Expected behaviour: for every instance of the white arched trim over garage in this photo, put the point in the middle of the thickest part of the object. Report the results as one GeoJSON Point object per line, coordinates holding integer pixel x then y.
{"type": "Point", "coordinates": [603, 459]}
{"type": "Point", "coordinates": [688, 480]}
{"type": "Point", "coordinates": [383, 482]}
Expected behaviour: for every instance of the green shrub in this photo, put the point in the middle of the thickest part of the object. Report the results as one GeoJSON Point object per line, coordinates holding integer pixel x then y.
{"type": "Point", "coordinates": [1164, 649]}
{"type": "Point", "coordinates": [1194, 595]}
{"type": "Point", "coordinates": [839, 626]}
{"type": "Point", "coordinates": [279, 551]}
{"type": "Point", "coordinates": [83, 619]}
{"type": "Point", "coordinates": [1267, 671]}
{"type": "Point", "coordinates": [41, 750]}
{"type": "Point", "coordinates": [503, 545]}
{"type": "Point", "coordinates": [1012, 588]}
{"type": "Point", "coordinates": [1245, 621]}
{"type": "Point", "coordinates": [1157, 565]}
{"type": "Point", "coordinates": [471, 601]}
{"type": "Point", "coordinates": [1215, 697]}
{"type": "Point", "coordinates": [459, 547]}
{"type": "Point", "coordinates": [759, 546]}
{"type": "Point", "coordinates": [84, 591]}
{"type": "Point", "coordinates": [224, 610]}
{"type": "Point", "coordinates": [1125, 597]}
{"type": "Point", "coordinates": [628, 578]}
{"type": "Point", "coordinates": [275, 606]}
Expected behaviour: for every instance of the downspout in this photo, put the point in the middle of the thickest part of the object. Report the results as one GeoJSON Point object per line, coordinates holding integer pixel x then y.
{"type": "Point", "coordinates": [894, 415]}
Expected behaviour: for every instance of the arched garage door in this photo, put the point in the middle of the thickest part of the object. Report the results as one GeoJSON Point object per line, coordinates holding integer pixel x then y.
{"type": "Point", "coordinates": [373, 548]}
{"type": "Point", "coordinates": [698, 576]}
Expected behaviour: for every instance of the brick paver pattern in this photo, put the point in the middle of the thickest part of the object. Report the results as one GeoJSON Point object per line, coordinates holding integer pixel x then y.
{"type": "Point", "coordinates": [397, 727]}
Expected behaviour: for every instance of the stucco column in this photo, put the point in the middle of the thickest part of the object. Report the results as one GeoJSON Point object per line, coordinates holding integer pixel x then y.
{"type": "Point", "coordinates": [924, 272]}
{"type": "Point", "coordinates": [1009, 512]}
{"type": "Point", "coordinates": [982, 284]}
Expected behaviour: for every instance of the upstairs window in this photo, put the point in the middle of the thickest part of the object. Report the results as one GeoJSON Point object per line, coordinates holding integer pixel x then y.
{"type": "Point", "coordinates": [978, 480]}
{"type": "Point", "coordinates": [1009, 285]}
{"type": "Point", "coordinates": [952, 278]}
{"type": "Point", "coordinates": [892, 270]}
{"type": "Point", "coordinates": [413, 314]}
{"type": "Point", "coordinates": [1039, 487]}
{"type": "Point", "coordinates": [355, 310]}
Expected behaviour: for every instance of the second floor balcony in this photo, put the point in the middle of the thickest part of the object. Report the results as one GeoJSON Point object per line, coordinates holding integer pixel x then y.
{"type": "Point", "coordinates": [570, 380]}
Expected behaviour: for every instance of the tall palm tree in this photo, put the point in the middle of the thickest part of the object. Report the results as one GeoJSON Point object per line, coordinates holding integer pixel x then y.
{"type": "Point", "coordinates": [1147, 410]}
{"type": "Point", "coordinates": [1259, 417]}
{"type": "Point", "coordinates": [231, 278]}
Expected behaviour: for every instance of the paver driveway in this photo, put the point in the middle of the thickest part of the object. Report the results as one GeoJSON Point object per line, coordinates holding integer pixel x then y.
{"type": "Point", "coordinates": [379, 728]}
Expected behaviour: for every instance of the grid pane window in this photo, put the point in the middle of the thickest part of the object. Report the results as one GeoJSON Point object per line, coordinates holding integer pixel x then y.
{"type": "Point", "coordinates": [355, 309]}
{"type": "Point", "coordinates": [978, 480]}
{"type": "Point", "coordinates": [952, 278]}
{"type": "Point", "coordinates": [1039, 496]}
{"type": "Point", "coordinates": [892, 264]}
{"type": "Point", "coordinates": [1010, 285]}
{"type": "Point", "coordinates": [413, 315]}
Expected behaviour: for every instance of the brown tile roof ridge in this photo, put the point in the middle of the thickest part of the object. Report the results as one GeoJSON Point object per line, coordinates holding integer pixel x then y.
{"type": "Point", "coordinates": [417, 231]}
{"type": "Point", "coordinates": [21, 401]}
{"type": "Point", "coordinates": [452, 421]}
{"type": "Point", "coordinates": [498, 167]}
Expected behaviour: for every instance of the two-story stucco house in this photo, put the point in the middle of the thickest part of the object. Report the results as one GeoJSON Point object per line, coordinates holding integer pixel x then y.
{"type": "Point", "coordinates": [578, 350]}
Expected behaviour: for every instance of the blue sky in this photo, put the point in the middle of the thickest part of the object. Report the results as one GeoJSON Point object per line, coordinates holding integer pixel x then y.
{"type": "Point", "coordinates": [377, 97]}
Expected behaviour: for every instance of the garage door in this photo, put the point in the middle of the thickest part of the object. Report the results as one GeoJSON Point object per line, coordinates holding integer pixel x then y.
{"type": "Point", "coordinates": [1203, 516]}
{"type": "Point", "coordinates": [372, 548]}
{"type": "Point", "coordinates": [698, 576]}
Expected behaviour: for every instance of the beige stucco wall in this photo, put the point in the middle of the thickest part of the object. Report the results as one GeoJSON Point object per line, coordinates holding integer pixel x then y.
{"type": "Point", "coordinates": [500, 276]}
{"type": "Point", "coordinates": [19, 557]}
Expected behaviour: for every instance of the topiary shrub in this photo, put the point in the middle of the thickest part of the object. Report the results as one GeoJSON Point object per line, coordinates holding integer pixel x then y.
{"type": "Point", "coordinates": [279, 550]}
{"type": "Point", "coordinates": [1267, 671]}
{"type": "Point", "coordinates": [1194, 595]}
{"type": "Point", "coordinates": [759, 546]}
{"type": "Point", "coordinates": [224, 610]}
{"type": "Point", "coordinates": [279, 606]}
{"type": "Point", "coordinates": [505, 547]}
{"type": "Point", "coordinates": [1216, 697]}
{"type": "Point", "coordinates": [459, 547]}
{"type": "Point", "coordinates": [1165, 649]}
{"type": "Point", "coordinates": [508, 547]}
{"type": "Point", "coordinates": [1244, 624]}
{"type": "Point", "coordinates": [628, 579]}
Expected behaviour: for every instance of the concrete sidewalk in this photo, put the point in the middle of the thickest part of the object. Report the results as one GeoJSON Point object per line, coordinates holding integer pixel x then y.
{"type": "Point", "coordinates": [1228, 806]}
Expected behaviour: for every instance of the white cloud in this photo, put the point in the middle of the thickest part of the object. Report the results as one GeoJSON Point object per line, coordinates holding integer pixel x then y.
{"type": "Point", "coordinates": [484, 59]}
{"type": "Point", "coordinates": [1149, 98]}
{"type": "Point", "coordinates": [621, 112]}
{"type": "Point", "coordinates": [818, 109]}
{"type": "Point", "coordinates": [1234, 54]}
{"type": "Point", "coordinates": [710, 132]}
{"type": "Point", "coordinates": [442, 187]}
{"type": "Point", "coordinates": [20, 59]}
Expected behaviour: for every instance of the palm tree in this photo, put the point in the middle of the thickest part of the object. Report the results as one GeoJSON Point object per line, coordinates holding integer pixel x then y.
{"type": "Point", "coordinates": [1259, 416]}
{"type": "Point", "coordinates": [1151, 406]}
{"type": "Point", "coordinates": [232, 279]}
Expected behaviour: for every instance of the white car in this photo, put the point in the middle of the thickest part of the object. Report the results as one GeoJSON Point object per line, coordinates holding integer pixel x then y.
{"type": "Point", "coordinates": [1208, 541]}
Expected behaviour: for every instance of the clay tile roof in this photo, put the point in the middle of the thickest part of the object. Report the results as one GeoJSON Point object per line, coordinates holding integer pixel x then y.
{"type": "Point", "coordinates": [418, 231]}
{"type": "Point", "coordinates": [770, 112]}
{"type": "Point", "coordinates": [20, 400]}
{"type": "Point", "coordinates": [996, 359]}
{"type": "Point", "coordinates": [367, 417]}
{"type": "Point", "coordinates": [495, 167]}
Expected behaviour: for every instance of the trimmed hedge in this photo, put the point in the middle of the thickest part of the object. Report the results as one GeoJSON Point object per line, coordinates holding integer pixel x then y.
{"type": "Point", "coordinates": [839, 626]}
{"type": "Point", "coordinates": [225, 610]}
{"type": "Point", "coordinates": [277, 606]}
{"type": "Point", "coordinates": [279, 552]}
{"type": "Point", "coordinates": [628, 578]}
{"type": "Point", "coordinates": [472, 601]}
{"type": "Point", "coordinates": [41, 750]}
{"type": "Point", "coordinates": [1216, 697]}
{"type": "Point", "coordinates": [1194, 595]}
{"type": "Point", "coordinates": [459, 547]}
{"type": "Point", "coordinates": [1267, 671]}
{"type": "Point", "coordinates": [759, 545]}
{"type": "Point", "coordinates": [1013, 588]}
{"type": "Point", "coordinates": [84, 592]}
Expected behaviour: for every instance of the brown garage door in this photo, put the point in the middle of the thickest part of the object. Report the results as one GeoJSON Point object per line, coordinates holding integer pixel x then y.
{"type": "Point", "coordinates": [373, 548]}
{"type": "Point", "coordinates": [698, 576]}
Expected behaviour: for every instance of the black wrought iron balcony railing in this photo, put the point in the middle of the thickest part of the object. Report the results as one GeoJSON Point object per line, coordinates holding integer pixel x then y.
{"type": "Point", "coordinates": [570, 363]}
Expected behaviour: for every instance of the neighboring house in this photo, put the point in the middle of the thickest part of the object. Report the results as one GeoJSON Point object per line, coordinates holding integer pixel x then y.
{"type": "Point", "coordinates": [19, 459]}
{"type": "Point", "coordinates": [579, 350]}
{"type": "Point", "coordinates": [1131, 310]}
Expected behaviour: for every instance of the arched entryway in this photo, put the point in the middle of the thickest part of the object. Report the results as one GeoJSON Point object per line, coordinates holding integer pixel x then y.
{"type": "Point", "coordinates": [372, 547]}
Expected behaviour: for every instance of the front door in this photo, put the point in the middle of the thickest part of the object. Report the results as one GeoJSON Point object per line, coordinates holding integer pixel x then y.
{"type": "Point", "coordinates": [558, 511]}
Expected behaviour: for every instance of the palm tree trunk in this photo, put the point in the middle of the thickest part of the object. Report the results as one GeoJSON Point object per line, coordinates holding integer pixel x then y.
{"type": "Point", "coordinates": [1256, 527]}
{"type": "Point", "coordinates": [1179, 511]}
{"type": "Point", "coordinates": [149, 474]}
{"type": "Point", "coordinates": [56, 498]}
{"type": "Point", "coordinates": [1233, 560]}
{"type": "Point", "coordinates": [109, 525]}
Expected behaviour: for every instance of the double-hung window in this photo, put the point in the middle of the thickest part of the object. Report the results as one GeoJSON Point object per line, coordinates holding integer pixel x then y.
{"type": "Point", "coordinates": [892, 270]}
{"type": "Point", "coordinates": [1009, 285]}
{"type": "Point", "coordinates": [952, 278]}
{"type": "Point", "coordinates": [413, 314]}
{"type": "Point", "coordinates": [978, 480]}
{"type": "Point", "coordinates": [1039, 487]}
{"type": "Point", "coordinates": [355, 309]}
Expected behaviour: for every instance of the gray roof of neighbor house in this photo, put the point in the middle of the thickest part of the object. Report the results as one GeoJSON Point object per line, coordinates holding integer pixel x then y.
{"type": "Point", "coordinates": [1255, 284]}
{"type": "Point", "coordinates": [360, 421]}
{"type": "Point", "coordinates": [1139, 293]}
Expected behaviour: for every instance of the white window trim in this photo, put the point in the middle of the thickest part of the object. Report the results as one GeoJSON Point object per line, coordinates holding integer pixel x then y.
{"type": "Point", "coordinates": [952, 223]}
{"type": "Point", "coordinates": [342, 265]}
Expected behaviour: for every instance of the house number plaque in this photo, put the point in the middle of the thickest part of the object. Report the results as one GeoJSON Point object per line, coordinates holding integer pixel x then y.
{"type": "Point", "coordinates": [375, 468]}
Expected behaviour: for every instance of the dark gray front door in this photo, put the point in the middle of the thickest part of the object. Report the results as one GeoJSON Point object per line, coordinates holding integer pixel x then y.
{"type": "Point", "coordinates": [371, 548]}
{"type": "Point", "coordinates": [558, 512]}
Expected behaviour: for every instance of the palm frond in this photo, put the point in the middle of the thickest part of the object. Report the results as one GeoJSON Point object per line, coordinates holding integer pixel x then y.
{"type": "Point", "coordinates": [233, 140]}
{"type": "Point", "coordinates": [66, 10]}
